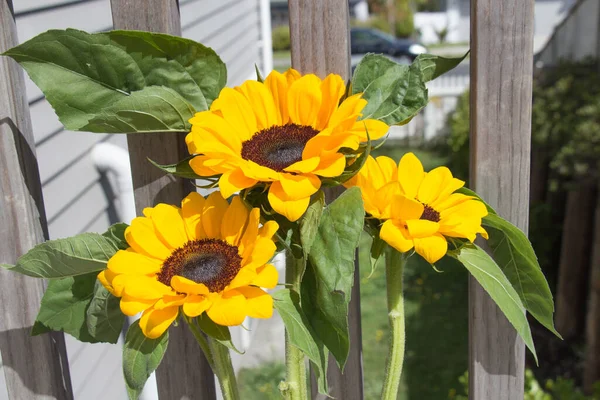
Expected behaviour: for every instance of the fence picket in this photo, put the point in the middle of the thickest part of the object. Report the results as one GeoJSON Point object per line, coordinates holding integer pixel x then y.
{"type": "Point", "coordinates": [34, 367]}
{"type": "Point", "coordinates": [184, 372]}
{"type": "Point", "coordinates": [501, 85]}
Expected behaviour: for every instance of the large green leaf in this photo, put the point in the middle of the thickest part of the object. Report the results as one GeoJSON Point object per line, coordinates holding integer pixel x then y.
{"type": "Point", "coordinates": [309, 224]}
{"type": "Point", "coordinates": [104, 318]}
{"type": "Point", "coordinates": [141, 356]}
{"type": "Point", "coordinates": [152, 109]}
{"type": "Point", "coordinates": [77, 255]}
{"type": "Point", "coordinates": [326, 287]}
{"type": "Point", "coordinates": [395, 93]}
{"type": "Point", "coordinates": [88, 78]}
{"type": "Point", "coordinates": [496, 284]}
{"type": "Point", "coordinates": [433, 66]}
{"type": "Point", "coordinates": [218, 332]}
{"type": "Point", "coordinates": [116, 233]}
{"type": "Point", "coordinates": [513, 252]}
{"type": "Point", "coordinates": [69, 303]}
{"type": "Point", "coordinates": [300, 332]}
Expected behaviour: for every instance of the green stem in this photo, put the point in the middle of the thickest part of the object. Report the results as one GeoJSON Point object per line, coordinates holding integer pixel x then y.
{"type": "Point", "coordinates": [224, 370]}
{"type": "Point", "coordinates": [295, 386]}
{"type": "Point", "coordinates": [394, 268]}
{"type": "Point", "coordinates": [201, 339]}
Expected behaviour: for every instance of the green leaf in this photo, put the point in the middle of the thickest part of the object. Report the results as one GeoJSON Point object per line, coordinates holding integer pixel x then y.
{"type": "Point", "coordinates": [152, 109]}
{"type": "Point", "coordinates": [489, 275]}
{"type": "Point", "coordinates": [141, 356]}
{"type": "Point", "coordinates": [104, 319]}
{"type": "Point", "coordinates": [77, 255]}
{"type": "Point", "coordinates": [309, 224]}
{"type": "Point", "coordinates": [432, 66]}
{"type": "Point", "coordinates": [513, 252]}
{"type": "Point", "coordinates": [469, 192]}
{"type": "Point", "coordinates": [88, 77]}
{"type": "Point", "coordinates": [395, 93]}
{"type": "Point", "coordinates": [64, 308]}
{"type": "Point", "coordinates": [218, 332]}
{"type": "Point", "coordinates": [328, 285]}
{"type": "Point", "coordinates": [181, 169]}
{"type": "Point", "coordinates": [116, 233]}
{"type": "Point", "coordinates": [301, 333]}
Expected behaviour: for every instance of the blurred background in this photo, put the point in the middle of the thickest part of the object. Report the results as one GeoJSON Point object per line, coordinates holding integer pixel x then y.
{"type": "Point", "coordinates": [87, 186]}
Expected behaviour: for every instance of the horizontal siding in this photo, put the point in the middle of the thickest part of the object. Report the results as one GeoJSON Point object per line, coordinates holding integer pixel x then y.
{"type": "Point", "coordinates": [231, 28]}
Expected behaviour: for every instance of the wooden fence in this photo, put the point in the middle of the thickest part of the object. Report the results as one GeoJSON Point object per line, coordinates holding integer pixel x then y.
{"type": "Point", "coordinates": [501, 78]}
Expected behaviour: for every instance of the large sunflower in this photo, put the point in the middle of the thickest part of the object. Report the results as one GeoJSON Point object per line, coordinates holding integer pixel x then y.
{"type": "Point", "coordinates": [286, 132]}
{"type": "Point", "coordinates": [205, 256]}
{"type": "Point", "coordinates": [418, 209]}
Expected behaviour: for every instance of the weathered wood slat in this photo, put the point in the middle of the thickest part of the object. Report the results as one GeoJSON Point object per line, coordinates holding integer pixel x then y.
{"type": "Point", "coordinates": [34, 367]}
{"type": "Point", "coordinates": [501, 84]}
{"type": "Point", "coordinates": [320, 39]}
{"type": "Point", "coordinates": [184, 372]}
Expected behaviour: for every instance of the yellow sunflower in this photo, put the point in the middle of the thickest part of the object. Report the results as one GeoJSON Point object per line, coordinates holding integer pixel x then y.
{"type": "Point", "coordinates": [418, 209]}
{"type": "Point", "coordinates": [286, 132]}
{"type": "Point", "coordinates": [207, 255]}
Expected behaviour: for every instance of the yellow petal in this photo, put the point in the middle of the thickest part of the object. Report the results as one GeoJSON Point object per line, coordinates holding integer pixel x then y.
{"type": "Point", "coordinates": [234, 181]}
{"type": "Point", "coordinates": [385, 199]}
{"type": "Point", "coordinates": [262, 252]}
{"type": "Point", "coordinates": [198, 166]}
{"type": "Point", "coordinates": [168, 224]}
{"type": "Point", "coordinates": [375, 128]}
{"type": "Point", "coordinates": [278, 86]}
{"type": "Point", "coordinates": [229, 309]}
{"type": "Point", "coordinates": [105, 277]}
{"type": "Point", "coordinates": [212, 214]}
{"type": "Point", "coordinates": [388, 168]}
{"type": "Point", "coordinates": [332, 89]}
{"type": "Point", "coordinates": [433, 183]}
{"type": "Point", "coordinates": [141, 236]}
{"type": "Point", "coordinates": [267, 277]}
{"type": "Point", "coordinates": [262, 104]}
{"type": "Point", "coordinates": [447, 190]}
{"type": "Point", "coordinates": [195, 305]}
{"type": "Point", "coordinates": [268, 229]}
{"type": "Point", "coordinates": [304, 100]}
{"type": "Point", "coordinates": [132, 305]}
{"type": "Point", "coordinates": [304, 166]}
{"type": "Point", "coordinates": [191, 211]}
{"type": "Point", "coordinates": [291, 75]}
{"type": "Point", "coordinates": [344, 117]}
{"type": "Point", "coordinates": [394, 234]}
{"type": "Point", "coordinates": [234, 221]}
{"type": "Point", "coordinates": [291, 209]}
{"type": "Point", "coordinates": [130, 262]}
{"type": "Point", "coordinates": [254, 171]}
{"type": "Point", "coordinates": [243, 278]}
{"type": "Point", "coordinates": [174, 300]}
{"type": "Point", "coordinates": [410, 174]}
{"type": "Point", "coordinates": [259, 304]}
{"type": "Point", "coordinates": [299, 186]}
{"type": "Point", "coordinates": [146, 288]}
{"type": "Point", "coordinates": [119, 282]}
{"type": "Point", "coordinates": [404, 208]}
{"type": "Point", "coordinates": [154, 323]}
{"type": "Point", "coordinates": [331, 165]}
{"type": "Point", "coordinates": [184, 285]}
{"type": "Point", "coordinates": [250, 233]}
{"type": "Point", "coordinates": [431, 248]}
{"type": "Point", "coordinates": [215, 127]}
{"type": "Point", "coordinates": [239, 113]}
{"type": "Point", "coordinates": [420, 228]}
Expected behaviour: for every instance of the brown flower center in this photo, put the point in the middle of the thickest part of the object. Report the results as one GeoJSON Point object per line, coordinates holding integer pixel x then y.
{"type": "Point", "coordinates": [212, 262]}
{"type": "Point", "coordinates": [430, 214]}
{"type": "Point", "coordinates": [278, 147]}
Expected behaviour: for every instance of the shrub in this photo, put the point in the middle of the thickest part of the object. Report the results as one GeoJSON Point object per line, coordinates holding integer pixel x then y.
{"type": "Point", "coordinates": [281, 38]}
{"type": "Point", "coordinates": [376, 22]}
{"type": "Point", "coordinates": [405, 23]}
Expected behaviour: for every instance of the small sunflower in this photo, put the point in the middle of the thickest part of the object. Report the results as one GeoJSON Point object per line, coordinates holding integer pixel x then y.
{"type": "Point", "coordinates": [285, 132]}
{"type": "Point", "coordinates": [418, 209]}
{"type": "Point", "coordinates": [207, 256]}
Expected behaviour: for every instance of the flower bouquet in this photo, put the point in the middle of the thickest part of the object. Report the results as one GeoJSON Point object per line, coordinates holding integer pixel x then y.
{"type": "Point", "coordinates": [268, 149]}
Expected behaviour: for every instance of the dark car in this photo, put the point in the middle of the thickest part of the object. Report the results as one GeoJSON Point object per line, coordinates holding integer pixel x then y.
{"type": "Point", "coordinates": [367, 40]}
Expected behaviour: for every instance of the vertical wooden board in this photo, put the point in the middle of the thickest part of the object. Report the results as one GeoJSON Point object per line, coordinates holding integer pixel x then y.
{"type": "Point", "coordinates": [184, 372]}
{"type": "Point", "coordinates": [320, 40]}
{"type": "Point", "coordinates": [34, 367]}
{"type": "Point", "coordinates": [501, 84]}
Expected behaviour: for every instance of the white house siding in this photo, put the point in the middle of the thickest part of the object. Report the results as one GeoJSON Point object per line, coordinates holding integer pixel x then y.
{"type": "Point", "coordinates": [77, 198]}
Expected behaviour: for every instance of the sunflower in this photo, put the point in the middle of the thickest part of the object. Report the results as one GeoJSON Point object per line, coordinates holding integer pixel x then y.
{"type": "Point", "coordinates": [285, 132]}
{"type": "Point", "coordinates": [418, 209]}
{"type": "Point", "coordinates": [207, 256]}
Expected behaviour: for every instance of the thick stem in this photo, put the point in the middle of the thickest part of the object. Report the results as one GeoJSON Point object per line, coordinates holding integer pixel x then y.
{"type": "Point", "coordinates": [295, 386]}
{"type": "Point", "coordinates": [394, 269]}
{"type": "Point", "coordinates": [224, 370]}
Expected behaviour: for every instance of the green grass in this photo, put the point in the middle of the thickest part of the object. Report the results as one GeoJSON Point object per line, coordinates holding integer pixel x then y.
{"type": "Point", "coordinates": [282, 55]}
{"type": "Point", "coordinates": [436, 325]}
